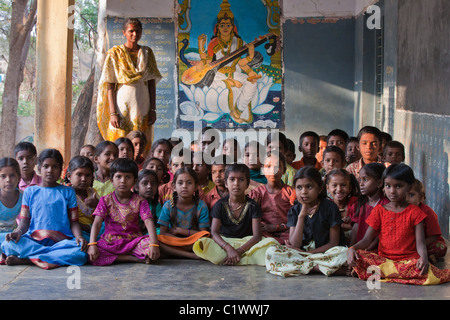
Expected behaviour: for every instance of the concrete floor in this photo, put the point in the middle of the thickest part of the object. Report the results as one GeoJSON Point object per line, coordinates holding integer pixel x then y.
{"type": "Point", "coordinates": [175, 279]}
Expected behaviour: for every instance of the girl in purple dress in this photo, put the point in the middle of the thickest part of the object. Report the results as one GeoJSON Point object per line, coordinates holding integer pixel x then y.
{"type": "Point", "coordinates": [121, 210]}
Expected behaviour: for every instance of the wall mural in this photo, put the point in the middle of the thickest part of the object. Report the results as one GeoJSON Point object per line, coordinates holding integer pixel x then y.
{"type": "Point", "coordinates": [230, 66]}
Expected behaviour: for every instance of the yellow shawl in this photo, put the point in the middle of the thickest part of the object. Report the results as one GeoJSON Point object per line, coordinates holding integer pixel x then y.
{"type": "Point", "coordinates": [120, 69]}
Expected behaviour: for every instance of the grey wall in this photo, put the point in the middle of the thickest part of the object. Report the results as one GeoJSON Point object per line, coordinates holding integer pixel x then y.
{"type": "Point", "coordinates": [319, 62]}
{"type": "Point", "coordinates": [422, 116]}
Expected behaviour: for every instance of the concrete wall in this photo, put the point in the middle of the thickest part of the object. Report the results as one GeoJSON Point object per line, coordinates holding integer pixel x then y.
{"type": "Point", "coordinates": [319, 63]}
{"type": "Point", "coordinates": [422, 115]}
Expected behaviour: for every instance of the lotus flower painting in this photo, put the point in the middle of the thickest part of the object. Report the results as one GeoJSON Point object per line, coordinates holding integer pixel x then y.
{"type": "Point", "coordinates": [230, 73]}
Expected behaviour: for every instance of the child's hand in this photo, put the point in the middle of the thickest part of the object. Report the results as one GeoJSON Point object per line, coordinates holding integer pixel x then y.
{"type": "Point", "coordinates": [422, 265]}
{"type": "Point", "coordinates": [82, 241]}
{"type": "Point", "coordinates": [307, 210]}
{"type": "Point", "coordinates": [15, 235]}
{"type": "Point", "coordinates": [93, 252]}
{"type": "Point", "coordinates": [233, 256]}
{"type": "Point", "coordinates": [346, 219]}
{"type": "Point", "coordinates": [352, 257]}
{"type": "Point", "coordinates": [91, 202]}
{"type": "Point", "coordinates": [152, 254]}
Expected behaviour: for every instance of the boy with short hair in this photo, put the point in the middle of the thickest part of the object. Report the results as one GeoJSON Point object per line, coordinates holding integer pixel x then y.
{"type": "Point", "coordinates": [308, 146]}
{"type": "Point", "coordinates": [352, 153]}
{"type": "Point", "coordinates": [338, 138]}
{"type": "Point", "coordinates": [369, 144]}
{"type": "Point", "coordinates": [218, 177]}
{"type": "Point", "coordinates": [394, 152]}
{"type": "Point", "coordinates": [26, 155]}
{"type": "Point", "coordinates": [333, 158]}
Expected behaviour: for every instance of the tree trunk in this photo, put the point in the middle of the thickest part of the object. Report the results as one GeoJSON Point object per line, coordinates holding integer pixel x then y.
{"type": "Point", "coordinates": [21, 25]}
{"type": "Point", "coordinates": [81, 114]}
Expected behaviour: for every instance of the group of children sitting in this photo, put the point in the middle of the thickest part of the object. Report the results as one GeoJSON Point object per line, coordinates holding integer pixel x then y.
{"type": "Point", "coordinates": [346, 203]}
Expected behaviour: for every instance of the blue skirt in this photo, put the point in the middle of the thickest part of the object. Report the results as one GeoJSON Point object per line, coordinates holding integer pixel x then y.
{"type": "Point", "coordinates": [46, 253]}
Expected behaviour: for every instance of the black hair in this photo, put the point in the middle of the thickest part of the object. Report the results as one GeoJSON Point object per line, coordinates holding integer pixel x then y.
{"type": "Point", "coordinates": [10, 162]}
{"type": "Point", "coordinates": [394, 144]}
{"type": "Point", "coordinates": [374, 170]}
{"type": "Point", "coordinates": [166, 176]}
{"type": "Point", "coordinates": [138, 134]}
{"type": "Point", "coordinates": [309, 134]}
{"type": "Point", "coordinates": [338, 133]}
{"type": "Point", "coordinates": [153, 202]}
{"type": "Point", "coordinates": [196, 198]}
{"type": "Point", "coordinates": [290, 145]}
{"type": "Point", "coordinates": [260, 150]}
{"type": "Point", "coordinates": [237, 167]}
{"type": "Point", "coordinates": [335, 149]}
{"type": "Point", "coordinates": [372, 130]}
{"type": "Point", "coordinates": [235, 147]}
{"type": "Point", "coordinates": [133, 21]}
{"type": "Point", "coordinates": [25, 146]}
{"type": "Point", "coordinates": [354, 191]}
{"type": "Point", "coordinates": [51, 154]}
{"type": "Point", "coordinates": [121, 140]}
{"type": "Point", "coordinates": [90, 146]}
{"type": "Point", "coordinates": [125, 165]}
{"type": "Point", "coordinates": [274, 136]}
{"type": "Point", "coordinates": [102, 146]}
{"type": "Point", "coordinates": [78, 162]}
{"type": "Point", "coordinates": [386, 136]}
{"type": "Point", "coordinates": [281, 158]}
{"type": "Point", "coordinates": [351, 139]}
{"type": "Point", "coordinates": [401, 172]}
{"type": "Point", "coordinates": [161, 141]}
{"type": "Point", "coordinates": [314, 175]}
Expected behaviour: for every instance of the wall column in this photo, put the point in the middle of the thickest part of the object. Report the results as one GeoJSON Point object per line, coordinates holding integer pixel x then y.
{"type": "Point", "coordinates": [54, 76]}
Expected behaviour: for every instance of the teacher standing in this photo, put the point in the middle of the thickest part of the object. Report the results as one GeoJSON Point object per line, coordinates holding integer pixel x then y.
{"type": "Point", "coordinates": [127, 89]}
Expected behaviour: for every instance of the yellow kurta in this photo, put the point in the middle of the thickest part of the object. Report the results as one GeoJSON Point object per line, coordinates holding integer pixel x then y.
{"type": "Point", "coordinates": [132, 94]}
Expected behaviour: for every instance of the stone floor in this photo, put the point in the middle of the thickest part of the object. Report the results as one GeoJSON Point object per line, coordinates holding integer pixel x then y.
{"type": "Point", "coordinates": [190, 280]}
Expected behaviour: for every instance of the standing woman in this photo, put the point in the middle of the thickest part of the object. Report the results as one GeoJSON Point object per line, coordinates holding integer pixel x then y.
{"type": "Point", "coordinates": [127, 89]}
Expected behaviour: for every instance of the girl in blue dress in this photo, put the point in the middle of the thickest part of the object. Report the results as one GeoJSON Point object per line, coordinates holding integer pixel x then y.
{"type": "Point", "coordinates": [10, 196]}
{"type": "Point", "coordinates": [48, 234]}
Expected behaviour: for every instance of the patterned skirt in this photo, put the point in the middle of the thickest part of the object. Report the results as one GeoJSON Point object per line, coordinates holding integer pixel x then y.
{"type": "Point", "coordinates": [284, 261]}
{"type": "Point", "coordinates": [404, 271]}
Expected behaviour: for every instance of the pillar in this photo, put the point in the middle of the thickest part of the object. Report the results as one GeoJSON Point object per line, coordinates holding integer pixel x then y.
{"type": "Point", "coordinates": [54, 75]}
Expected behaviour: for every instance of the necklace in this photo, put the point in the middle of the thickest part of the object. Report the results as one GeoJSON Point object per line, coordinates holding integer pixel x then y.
{"type": "Point", "coordinates": [231, 207]}
{"type": "Point", "coordinates": [230, 212]}
{"type": "Point", "coordinates": [315, 211]}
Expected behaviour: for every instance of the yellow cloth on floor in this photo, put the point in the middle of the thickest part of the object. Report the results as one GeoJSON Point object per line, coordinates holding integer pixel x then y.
{"type": "Point", "coordinates": [208, 249]}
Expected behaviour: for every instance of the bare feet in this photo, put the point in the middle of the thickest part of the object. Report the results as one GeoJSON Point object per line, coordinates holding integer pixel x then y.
{"type": "Point", "coordinates": [14, 261]}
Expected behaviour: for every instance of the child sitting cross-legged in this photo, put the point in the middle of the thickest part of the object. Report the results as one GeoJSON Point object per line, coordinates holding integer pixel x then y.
{"type": "Point", "coordinates": [236, 237]}
{"type": "Point", "coordinates": [316, 240]}
{"type": "Point", "coordinates": [123, 240]}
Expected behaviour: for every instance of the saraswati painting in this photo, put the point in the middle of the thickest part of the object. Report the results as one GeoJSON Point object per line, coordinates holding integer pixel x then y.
{"type": "Point", "coordinates": [230, 68]}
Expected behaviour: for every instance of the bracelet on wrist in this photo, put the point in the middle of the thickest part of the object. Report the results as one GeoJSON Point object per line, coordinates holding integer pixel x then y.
{"type": "Point", "coordinates": [92, 243]}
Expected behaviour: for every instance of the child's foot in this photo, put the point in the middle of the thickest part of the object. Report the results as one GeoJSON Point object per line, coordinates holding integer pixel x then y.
{"type": "Point", "coordinates": [14, 261]}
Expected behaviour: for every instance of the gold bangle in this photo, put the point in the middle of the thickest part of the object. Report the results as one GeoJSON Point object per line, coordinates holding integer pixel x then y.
{"type": "Point", "coordinates": [92, 243]}
{"type": "Point", "coordinates": [153, 245]}
{"type": "Point", "coordinates": [114, 114]}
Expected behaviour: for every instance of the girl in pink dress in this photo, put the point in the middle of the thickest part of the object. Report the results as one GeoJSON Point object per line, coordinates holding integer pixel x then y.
{"type": "Point", "coordinates": [121, 209]}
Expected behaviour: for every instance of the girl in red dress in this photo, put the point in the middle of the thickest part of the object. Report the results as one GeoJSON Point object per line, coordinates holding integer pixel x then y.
{"type": "Point", "coordinates": [402, 253]}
